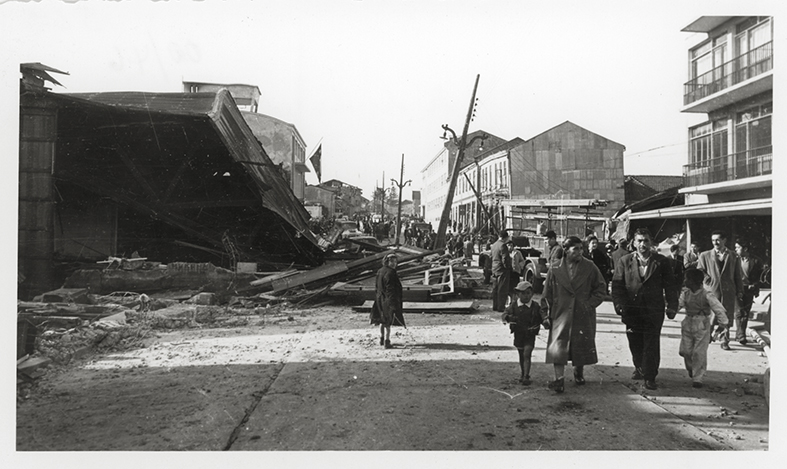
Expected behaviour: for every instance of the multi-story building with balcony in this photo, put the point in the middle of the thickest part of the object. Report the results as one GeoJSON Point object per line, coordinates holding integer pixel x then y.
{"type": "Point", "coordinates": [728, 175]}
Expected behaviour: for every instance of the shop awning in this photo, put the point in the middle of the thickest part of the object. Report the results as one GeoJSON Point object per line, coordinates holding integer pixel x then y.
{"type": "Point", "coordinates": [723, 209]}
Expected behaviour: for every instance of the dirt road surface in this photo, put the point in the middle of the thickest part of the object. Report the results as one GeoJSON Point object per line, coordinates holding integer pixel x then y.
{"type": "Point", "coordinates": [317, 379]}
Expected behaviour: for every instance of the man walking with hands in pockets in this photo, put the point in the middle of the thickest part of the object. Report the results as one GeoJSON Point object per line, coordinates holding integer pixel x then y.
{"type": "Point", "coordinates": [642, 283]}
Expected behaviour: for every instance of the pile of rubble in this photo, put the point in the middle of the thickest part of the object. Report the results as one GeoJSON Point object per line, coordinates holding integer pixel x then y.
{"type": "Point", "coordinates": [83, 317]}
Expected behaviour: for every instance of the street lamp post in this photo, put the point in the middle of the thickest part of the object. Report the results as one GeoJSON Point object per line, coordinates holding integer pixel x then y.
{"type": "Point", "coordinates": [461, 143]}
{"type": "Point", "coordinates": [401, 186]}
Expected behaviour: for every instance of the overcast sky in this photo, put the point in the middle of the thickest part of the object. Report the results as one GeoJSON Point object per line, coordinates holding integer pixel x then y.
{"type": "Point", "coordinates": [374, 80]}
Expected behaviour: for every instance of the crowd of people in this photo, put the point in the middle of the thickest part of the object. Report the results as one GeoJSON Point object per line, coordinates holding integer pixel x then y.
{"type": "Point", "coordinates": [714, 288]}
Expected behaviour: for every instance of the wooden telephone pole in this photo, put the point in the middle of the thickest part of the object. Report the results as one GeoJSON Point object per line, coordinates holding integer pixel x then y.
{"type": "Point", "coordinates": [401, 186]}
{"type": "Point", "coordinates": [462, 144]}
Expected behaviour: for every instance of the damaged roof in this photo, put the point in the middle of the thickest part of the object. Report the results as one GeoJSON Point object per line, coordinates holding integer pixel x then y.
{"type": "Point", "coordinates": [186, 158]}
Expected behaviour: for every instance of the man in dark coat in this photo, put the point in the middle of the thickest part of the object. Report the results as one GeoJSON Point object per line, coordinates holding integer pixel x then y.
{"type": "Point", "coordinates": [501, 272]}
{"type": "Point", "coordinates": [387, 307]}
{"type": "Point", "coordinates": [643, 280]}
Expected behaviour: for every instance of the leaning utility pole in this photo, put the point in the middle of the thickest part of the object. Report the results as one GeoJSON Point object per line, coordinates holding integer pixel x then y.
{"type": "Point", "coordinates": [462, 144]}
{"type": "Point", "coordinates": [401, 185]}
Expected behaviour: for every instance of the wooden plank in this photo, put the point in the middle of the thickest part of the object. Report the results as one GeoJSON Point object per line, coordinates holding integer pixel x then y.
{"type": "Point", "coordinates": [271, 278]}
{"type": "Point", "coordinates": [368, 292]}
{"type": "Point", "coordinates": [305, 278]}
{"type": "Point", "coordinates": [32, 363]}
{"type": "Point", "coordinates": [463, 306]}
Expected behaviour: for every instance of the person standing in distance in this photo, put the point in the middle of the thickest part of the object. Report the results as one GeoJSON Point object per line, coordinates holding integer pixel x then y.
{"type": "Point", "coordinates": [387, 307]}
{"type": "Point", "coordinates": [642, 283]}
{"type": "Point", "coordinates": [501, 272]}
{"type": "Point", "coordinates": [621, 251]}
{"type": "Point", "coordinates": [723, 278]}
{"type": "Point", "coordinates": [692, 256]}
{"type": "Point", "coordinates": [554, 251]}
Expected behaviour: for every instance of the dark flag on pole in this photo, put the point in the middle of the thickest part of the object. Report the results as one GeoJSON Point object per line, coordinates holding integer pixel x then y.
{"type": "Point", "coordinates": [316, 160]}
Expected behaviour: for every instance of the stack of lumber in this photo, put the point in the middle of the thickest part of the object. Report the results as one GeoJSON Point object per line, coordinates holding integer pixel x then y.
{"type": "Point", "coordinates": [331, 273]}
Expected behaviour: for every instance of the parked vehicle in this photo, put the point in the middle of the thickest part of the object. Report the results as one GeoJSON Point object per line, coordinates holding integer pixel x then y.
{"type": "Point", "coordinates": [343, 228]}
{"type": "Point", "coordinates": [532, 249]}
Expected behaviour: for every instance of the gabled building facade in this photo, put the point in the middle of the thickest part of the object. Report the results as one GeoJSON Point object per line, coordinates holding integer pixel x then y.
{"type": "Point", "coordinates": [728, 176]}
{"type": "Point", "coordinates": [435, 176]}
{"type": "Point", "coordinates": [486, 175]}
{"type": "Point", "coordinates": [559, 175]}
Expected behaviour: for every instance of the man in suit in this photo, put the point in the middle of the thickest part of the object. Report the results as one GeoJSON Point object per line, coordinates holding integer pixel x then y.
{"type": "Point", "coordinates": [501, 272]}
{"type": "Point", "coordinates": [692, 256]}
{"type": "Point", "coordinates": [643, 280]}
{"type": "Point", "coordinates": [723, 278]}
{"type": "Point", "coordinates": [751, 270]}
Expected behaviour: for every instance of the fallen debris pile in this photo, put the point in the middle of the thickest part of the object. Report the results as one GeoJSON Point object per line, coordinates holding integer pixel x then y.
{"type": "Point", "coordinates": [86, 315]}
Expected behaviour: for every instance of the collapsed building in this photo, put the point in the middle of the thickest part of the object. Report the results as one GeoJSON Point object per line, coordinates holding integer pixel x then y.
{"type": "Point", "coordinates": [165, 176]}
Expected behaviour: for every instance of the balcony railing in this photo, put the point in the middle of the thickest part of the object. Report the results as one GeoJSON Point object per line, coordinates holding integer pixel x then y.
{"type": "Point", "coordinates": [753, 63]}
{"type": "Point", "coordinates": [746, 164]}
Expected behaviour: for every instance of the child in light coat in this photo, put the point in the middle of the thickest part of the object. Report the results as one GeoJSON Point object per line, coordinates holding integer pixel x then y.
{"type": "Point", "coordinates": [695, 329]}
{"type": "Point", "coordinates": [524, 317]}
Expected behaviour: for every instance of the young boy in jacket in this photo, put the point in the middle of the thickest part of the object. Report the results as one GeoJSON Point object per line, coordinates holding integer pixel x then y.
{"type": "Point", "coordinates": [524, 317]}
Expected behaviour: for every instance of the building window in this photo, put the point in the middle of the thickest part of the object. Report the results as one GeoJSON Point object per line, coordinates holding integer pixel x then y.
{"type": "Point", "coordinates": [753, 131]}
{"type": "Point", "coordinates": [751, 36]}
{"type": "Point", "coordinates": [708, 57]}
{"type": "Point", "coordinates": [708, 141]}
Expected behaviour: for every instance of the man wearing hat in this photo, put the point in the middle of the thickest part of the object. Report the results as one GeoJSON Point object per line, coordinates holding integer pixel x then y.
{"type": "Point", "coordinates": [554, 251]}
{"type": "Point", "coordinates": [524, 317]}
{"type": "Point", "coordinates": [501, 272]}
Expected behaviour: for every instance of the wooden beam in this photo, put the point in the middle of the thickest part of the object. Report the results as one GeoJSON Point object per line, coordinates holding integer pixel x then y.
{"type": "Point", "coordinates": [464, 306]}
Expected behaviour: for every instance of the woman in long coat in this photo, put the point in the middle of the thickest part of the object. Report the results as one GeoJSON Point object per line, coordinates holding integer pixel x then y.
{"type": "Point", "coordinates": [387, 307]}
{"type": "Point", "coordinates": [572, 290]}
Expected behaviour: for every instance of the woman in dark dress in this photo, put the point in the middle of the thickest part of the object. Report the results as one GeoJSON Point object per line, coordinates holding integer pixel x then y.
{"type": "Point", "coordinates": [387, 307]}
